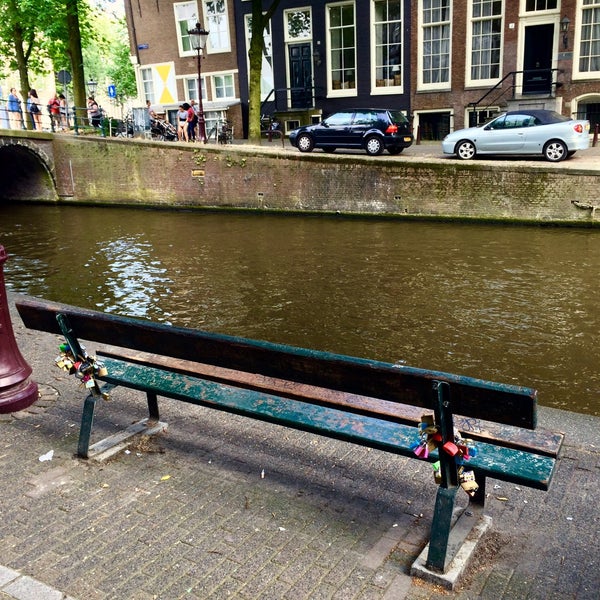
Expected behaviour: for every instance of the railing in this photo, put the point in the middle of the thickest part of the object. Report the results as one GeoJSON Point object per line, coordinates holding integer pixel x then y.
{"type": "Point", "coordinates": [281, 99]}
{"type": "Point", "coordinates": [533, 81]}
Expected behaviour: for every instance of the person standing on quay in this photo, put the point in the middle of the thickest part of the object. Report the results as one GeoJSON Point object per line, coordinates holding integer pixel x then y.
{"type": "Point", "coordinates": [182, 126]}
{"type": "Point", "coordinates": [35, 110]}
{"type": "Point", "coordinates": [13, 106]}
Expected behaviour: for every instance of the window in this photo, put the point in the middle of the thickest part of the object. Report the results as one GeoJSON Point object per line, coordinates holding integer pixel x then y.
{"type": "Point", "coordinates": [217, 24]}
{"type": "Point", "coordinates": [191, 88]}
{"type": "Point", "coordinates": [435, 18]}
{"type": "Point", "coordinates": [223, 86]}
{"type": "Point", "coordinates": [148, 84]}
{"type": "Point", "coordinates": [536, 5]}
{"type": "Point", "coordinates": [589, 46]}
{"type": "Point", "coordinates": [486, 39]}
{"type": "Point", "coordinates": [267, 80]}
{"type": "Point", "coordinates": [299, 25]}
{"type": "Point", "coordinates": [387, 21]}
{"type": "Point", "coordinates": [186, 17]}
{"type": "Point", "coordinates": [342, 46]}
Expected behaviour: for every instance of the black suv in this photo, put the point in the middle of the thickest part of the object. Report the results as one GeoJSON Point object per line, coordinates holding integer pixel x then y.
{"type": "Point", "coordinates": [373, 129]}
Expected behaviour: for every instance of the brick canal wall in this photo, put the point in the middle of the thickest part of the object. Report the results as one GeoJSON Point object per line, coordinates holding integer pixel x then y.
{"type": "Point", "coordinates": [163, 174]}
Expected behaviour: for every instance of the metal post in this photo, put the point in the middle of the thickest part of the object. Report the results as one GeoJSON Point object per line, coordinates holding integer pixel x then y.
{"type": "Point", "coordinates": [198, 38]}
{"type": "Point", "coordinates": [201, 120]}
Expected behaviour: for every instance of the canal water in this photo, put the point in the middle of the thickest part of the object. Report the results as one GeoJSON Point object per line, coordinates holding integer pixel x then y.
{"type": "Point", "coordinates": [510, 304]}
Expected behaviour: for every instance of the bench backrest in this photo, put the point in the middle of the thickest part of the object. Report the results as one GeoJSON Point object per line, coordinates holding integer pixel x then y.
{"type": "Point", "coordinates": [475, 398]}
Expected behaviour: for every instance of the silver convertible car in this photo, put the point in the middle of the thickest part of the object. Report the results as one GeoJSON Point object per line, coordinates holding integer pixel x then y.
{"type": "Point", "coordinates": [542, 132]}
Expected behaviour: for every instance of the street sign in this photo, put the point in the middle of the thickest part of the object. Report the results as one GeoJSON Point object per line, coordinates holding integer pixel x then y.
{"type": "Point", "coordinates": [111, 91]}
{"type": "Point", "coordinates": [64, 77]}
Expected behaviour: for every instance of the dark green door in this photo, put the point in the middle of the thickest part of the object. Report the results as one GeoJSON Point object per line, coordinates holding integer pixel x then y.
{"type": "Point", "coordinates": [537, 59]}
{"type": "Point", "coordinates": [300, 57]}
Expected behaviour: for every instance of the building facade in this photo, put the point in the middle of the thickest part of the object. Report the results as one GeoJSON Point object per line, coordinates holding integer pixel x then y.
{"type": "Point", "coordinates": [325, 56]}
{"type": "Point", "coordinates": [166, 64]}
{"type": "Point", "coordinates": [474, 58]}
{"type": "Point", "coordinates": [445, 63]}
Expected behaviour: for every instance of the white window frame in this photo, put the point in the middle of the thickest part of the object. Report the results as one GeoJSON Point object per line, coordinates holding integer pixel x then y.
{"type": "Point", "coordinates": [536, 11]}
{"type": "Point", "coordinates": [147, 88]}
{"type": "Point", "coordinates": [395, 83]}
{"type": "Point", "coordinates": [301, 38]}
{"type": "Point", "coordinates": [342, 91]}
{"type": "Point", "coordinates": [469, 81]}
{"type": "Point", "coordinates": [577, 41]}
{"type": "Point", "coordinates": [215, 86]}
{"type": "Point", "coordinates": [191, 23]}
{"type": "Point", "coordinates": [267, 79]}
{"type": "Point", "coordinates": [190, 83]}
{"type": "Point", "coordinates": [217, 25]}
{"type": "Point", "coordinates": [437, 85]}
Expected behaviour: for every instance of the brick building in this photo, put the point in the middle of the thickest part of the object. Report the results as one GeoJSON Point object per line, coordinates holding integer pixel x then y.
{"type": "Point", "coordinates": [474, 58]}
{"type": "Point", "coordinates": [447, 63]}
{"type": "Point", "coordinates": [166, 64]}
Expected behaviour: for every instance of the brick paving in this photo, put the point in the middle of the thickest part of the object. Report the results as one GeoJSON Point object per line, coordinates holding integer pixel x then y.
{"type": "Point", "coordinates": [225, 507]}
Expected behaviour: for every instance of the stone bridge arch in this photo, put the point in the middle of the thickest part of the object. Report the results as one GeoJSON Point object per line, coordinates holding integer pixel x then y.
{"type": "Point", "coordinates": [26, 168]}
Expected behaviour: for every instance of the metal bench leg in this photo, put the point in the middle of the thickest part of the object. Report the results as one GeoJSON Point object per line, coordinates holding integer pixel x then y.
{"type": "Point", "coordinates": [440, 529]}
{"type": "Point", "coordinates": [478, 498]}
{"type": "Point", "coordinates": [152, 407]}
{"type": "Point", "coordinates": [87, 419]}
{"type": "Point", "coordinates": [438, 556]}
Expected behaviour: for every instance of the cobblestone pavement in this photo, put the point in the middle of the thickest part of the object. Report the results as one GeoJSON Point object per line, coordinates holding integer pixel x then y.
{"type": "Point", "coordinates": [225, 507]}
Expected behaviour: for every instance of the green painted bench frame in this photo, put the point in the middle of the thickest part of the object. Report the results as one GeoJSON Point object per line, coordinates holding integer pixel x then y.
{"type": "Point", "coordinates": [371, 403]}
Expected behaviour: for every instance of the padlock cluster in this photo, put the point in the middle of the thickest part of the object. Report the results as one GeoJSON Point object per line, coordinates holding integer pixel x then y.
{"type": "Point", "coordinates": [85, 368]}
{"type": "Point", "coordinates": [430, 439]}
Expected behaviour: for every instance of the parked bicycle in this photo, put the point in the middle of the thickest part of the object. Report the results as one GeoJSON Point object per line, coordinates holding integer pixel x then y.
{"type": "Point", "coordinates": [222, 131]}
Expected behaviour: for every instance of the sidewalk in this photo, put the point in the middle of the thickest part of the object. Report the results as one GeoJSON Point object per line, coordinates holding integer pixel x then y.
{"type": "Point", "coordinates": [583, 159]}
{"type": "Point", "coordinates": [226, 507]}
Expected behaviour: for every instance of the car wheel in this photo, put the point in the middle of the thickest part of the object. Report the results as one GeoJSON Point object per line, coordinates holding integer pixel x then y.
{"type": "Point", "coordinates": [305, 143]}
{"type": "Point", "coordinates": [395, 150]}
{"type": "Point", "coordinates": [373, 145]}
{"type": "Point", "coordinates": [465, 150]}
{"type": "Point", "coordinates": [555, 151]}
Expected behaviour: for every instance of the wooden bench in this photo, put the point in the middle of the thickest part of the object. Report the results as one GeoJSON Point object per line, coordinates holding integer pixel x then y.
{"type": "Point", "coordinates": [367, 402]}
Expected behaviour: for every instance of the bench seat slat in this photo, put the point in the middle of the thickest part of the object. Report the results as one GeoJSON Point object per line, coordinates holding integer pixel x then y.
{"type": "Point", "coordinates": [537, 441]}
{"type": "Point", "coordinates": [503, 463]}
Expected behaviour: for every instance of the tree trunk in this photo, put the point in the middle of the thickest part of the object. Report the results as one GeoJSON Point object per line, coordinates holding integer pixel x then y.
{"type": "Point", "coordinates": [255, 54]}
{"type": "Point", "coordinates": [76, 56]}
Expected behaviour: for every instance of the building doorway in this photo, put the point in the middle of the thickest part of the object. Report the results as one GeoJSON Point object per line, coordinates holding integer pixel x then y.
{"type": "Point", "coordinates": [537, 59]}
{"type": "Point", "coordinates": [300, 65]}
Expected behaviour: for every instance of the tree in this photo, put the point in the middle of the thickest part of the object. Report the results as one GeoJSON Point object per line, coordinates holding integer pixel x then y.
{"type": "Point", "coordinates": [260, 20]}
{"type": "Point", "coordinates": [19, 38]}
{"type": "Point", "coordinates": [36, 33]}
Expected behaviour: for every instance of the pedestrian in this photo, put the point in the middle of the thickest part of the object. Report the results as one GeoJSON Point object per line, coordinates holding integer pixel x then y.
{"type": "Point", "coordinates": [94, 112]}
{"type": "Point", "coordinates": [13, 106]}
{"type": "Point", "coordinates": [35, 109]}
{"type": "Point", "coordinates": [64, 122]}
{"type": "Point", "coordinates": [54, 110]}
{"type": "Point", "coordinates": [192, 122]}
{"type": "Point", "coordinates": [151, 112]}
{"type": "Point", "coordinates": [182, 126]}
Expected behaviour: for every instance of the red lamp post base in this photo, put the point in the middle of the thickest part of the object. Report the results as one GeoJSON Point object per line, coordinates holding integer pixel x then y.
{"type": "Point", "coordinates": [16, 390]}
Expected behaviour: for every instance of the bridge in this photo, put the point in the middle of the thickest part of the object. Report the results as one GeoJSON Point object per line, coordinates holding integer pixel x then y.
{"type": "Point", "coordinates": [27, 169]}
{"type": "Point", "coordinates": [88, 169]}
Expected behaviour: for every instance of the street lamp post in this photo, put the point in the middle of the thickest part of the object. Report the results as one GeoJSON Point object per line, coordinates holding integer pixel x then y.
{"type": "Point", "coordinates": [198, 36]}
{"type": "Point", "coordinates": [92, 86]}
